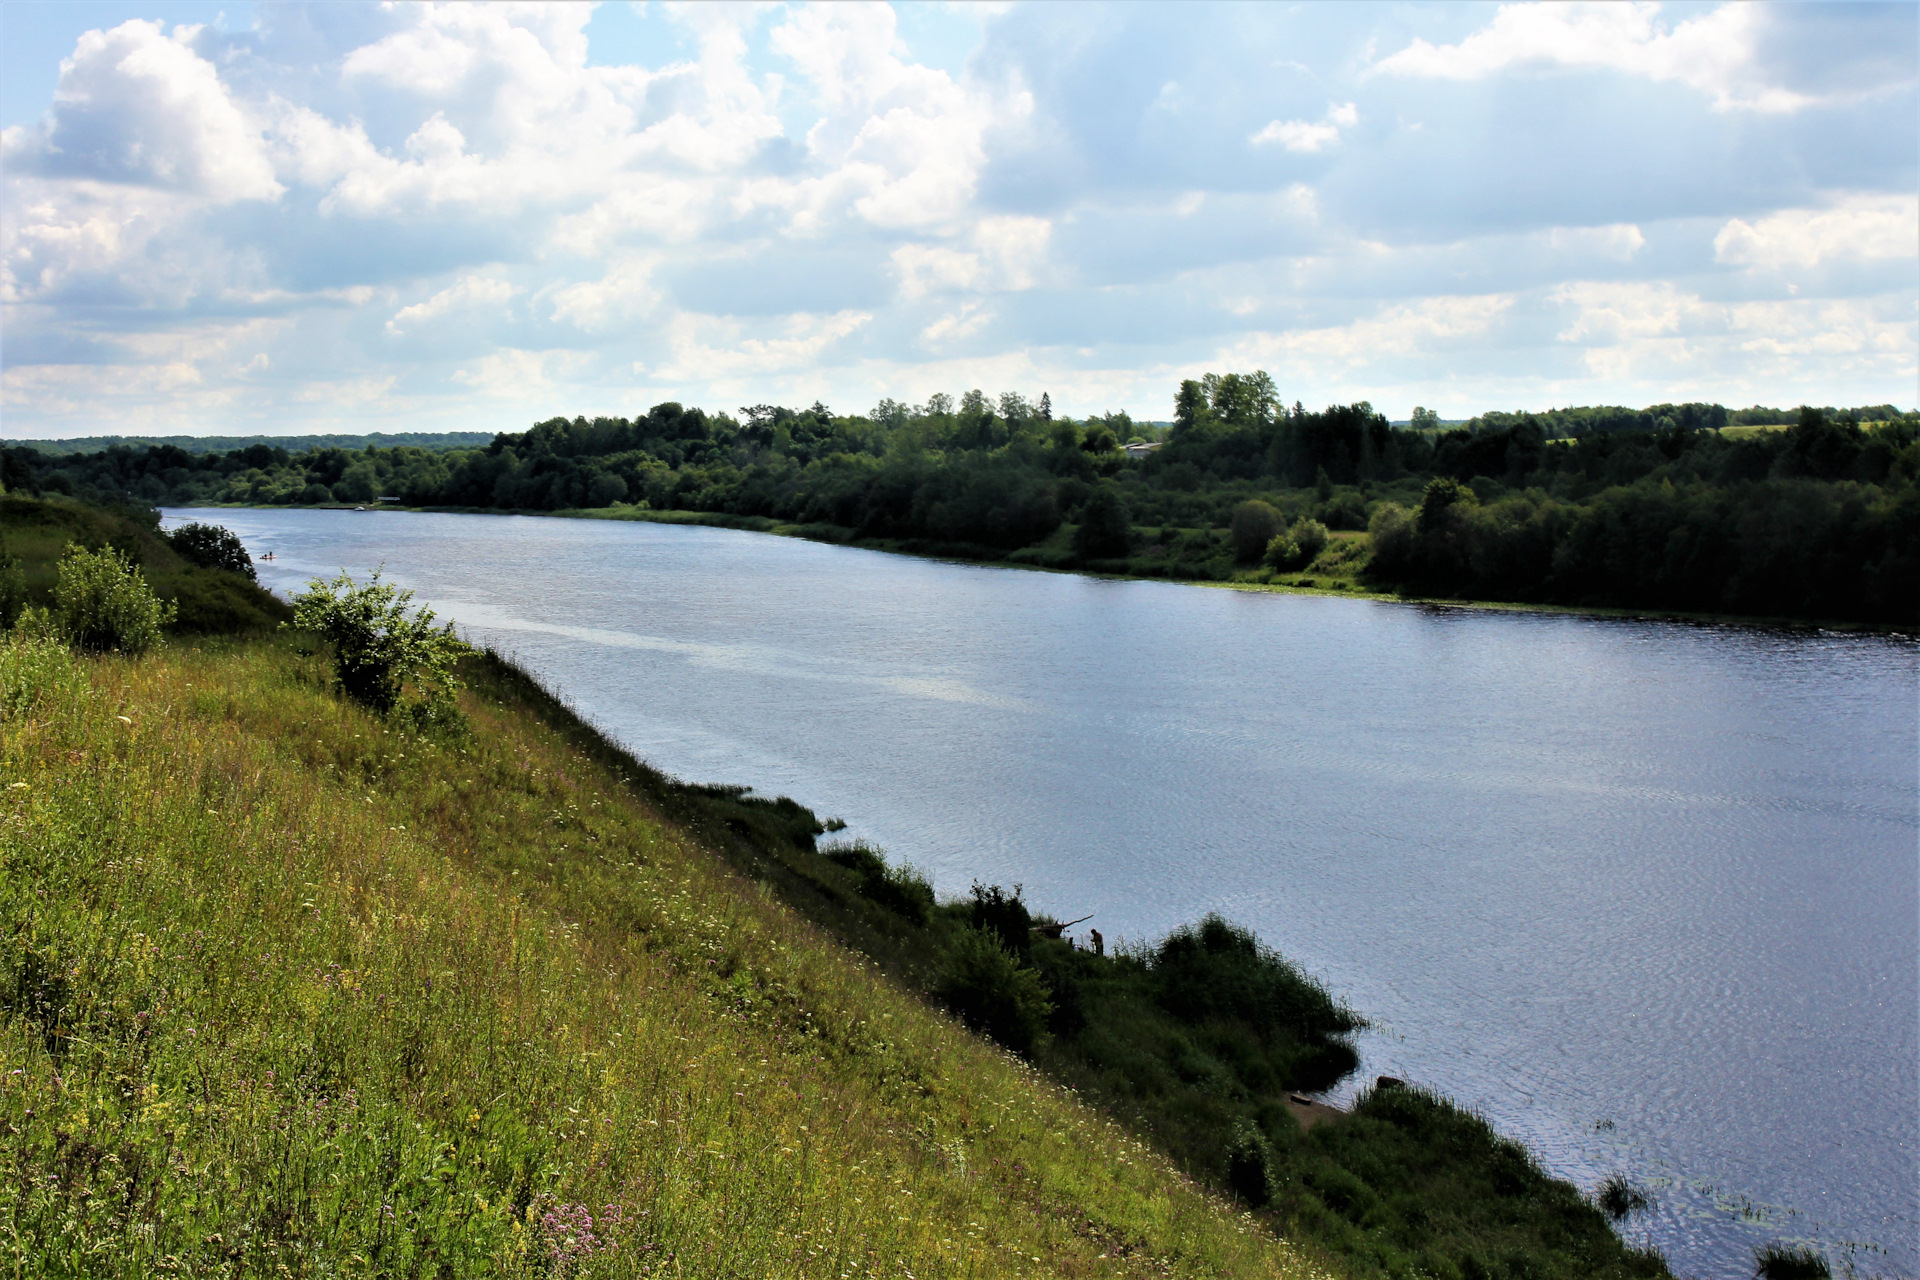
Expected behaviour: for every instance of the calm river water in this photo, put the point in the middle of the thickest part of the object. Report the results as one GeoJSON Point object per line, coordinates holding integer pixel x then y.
{"type": "Point", "coordinates": [1644, 893]}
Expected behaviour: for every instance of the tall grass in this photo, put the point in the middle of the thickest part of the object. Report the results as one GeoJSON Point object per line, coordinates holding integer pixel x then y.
{"type": "Point", "coordinates": [286, 990]}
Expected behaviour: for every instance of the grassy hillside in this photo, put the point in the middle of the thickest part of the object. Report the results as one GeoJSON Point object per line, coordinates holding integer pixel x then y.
{"type": "Point", "coordinates": [288, 991]}
{"type": "Point", "coordinates": [35, 531]}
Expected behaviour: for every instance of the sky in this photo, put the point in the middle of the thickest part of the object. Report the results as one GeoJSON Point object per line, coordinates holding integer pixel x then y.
{"type": "Point", "coordinates": [221, 219]}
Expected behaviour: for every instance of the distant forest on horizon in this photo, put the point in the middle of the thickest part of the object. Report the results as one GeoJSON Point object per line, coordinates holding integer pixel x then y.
{"type": "Point", "coordinates": [1807, 513]}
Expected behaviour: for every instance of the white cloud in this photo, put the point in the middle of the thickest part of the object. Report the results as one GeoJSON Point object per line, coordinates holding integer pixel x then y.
{"type": "Point", "coordinates": [1860, 227]}
{"type": "Point", "coordinates": [623, 295]}
{"type": "Point", "coordinates": [1301, 135]}
{"type": "Point", "coordinates": [1653, 332]}
{"type": "Point", "coordinates": [471, 293]}
{"type": "Point", "coordinates": [716, 346]}
{"type": "Point", "coordinates": [956, 325]}
{"type": "Point", "coordinates": [518, 375]}
{"type": "Point", "coordinates": [1008, 255]}
{"type": "Point", "coordinates": [135, 106]}
{"type": "Point", "coordinates": [1715, 53]}
{"type": "Point", "coordinates": [1424, 326]}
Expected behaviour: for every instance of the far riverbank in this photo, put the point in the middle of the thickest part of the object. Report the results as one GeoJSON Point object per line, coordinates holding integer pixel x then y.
{"type": "Point", "coordinates": [1052, 558]}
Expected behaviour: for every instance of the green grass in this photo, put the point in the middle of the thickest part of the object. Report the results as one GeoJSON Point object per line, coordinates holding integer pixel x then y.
{"type": "Point", "coordinates": [287, 991]}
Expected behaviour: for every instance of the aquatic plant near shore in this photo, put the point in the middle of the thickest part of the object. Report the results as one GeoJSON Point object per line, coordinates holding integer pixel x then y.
{"type": "Point", "coordinates": [1619, 1199]}
{"type": "Point", "coordinates": [1778, 1261]}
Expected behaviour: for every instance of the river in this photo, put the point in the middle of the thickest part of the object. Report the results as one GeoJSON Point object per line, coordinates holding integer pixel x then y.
{"type": "Point", "coordinates": [1645, 893]}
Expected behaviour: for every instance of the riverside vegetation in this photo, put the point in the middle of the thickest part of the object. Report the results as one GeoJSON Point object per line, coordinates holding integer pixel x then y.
{"type": "Point", "coordinates": [1811, 513]}
{"type": "Point", "coordinates": [435, 979]}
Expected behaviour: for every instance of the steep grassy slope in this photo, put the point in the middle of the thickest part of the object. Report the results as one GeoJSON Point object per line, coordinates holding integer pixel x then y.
{"type": "Point", "coordinates": [210, 601]}
{"type": "Point", "coordinates": [285, 991]}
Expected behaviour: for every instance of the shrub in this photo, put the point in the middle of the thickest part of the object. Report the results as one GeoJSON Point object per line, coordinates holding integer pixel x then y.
{"type": "Point", "coordinates": [1778, 1261]}
{"type": "Point", "coordinates": [378, 647]}
{"type": "Point", "coordinates": [1250, 1165]}
{"type": "Point", "coordinates": [1002, 914]}
{"type": "Point", "coordinates": [212, 547]}
{"type": "Point", "coordinates": [1311, 537]}
{"type": "Point", "coordinates": [1282, 552]}
{"type": "Point", "coordinates": [1298, 546]}
{"type": "Point", "coordinates": [901, 890]}
{"type": "Point", "coordinates": [1254, 525]}
{"type": "Point", "coordinates": [102, 603]}
{"type": "Point", "coordinates": [1217, 970]}
{"type": "Point", "coordinates": [993, 993]}
{"type": "Point", "coordinates": [1344, 511]}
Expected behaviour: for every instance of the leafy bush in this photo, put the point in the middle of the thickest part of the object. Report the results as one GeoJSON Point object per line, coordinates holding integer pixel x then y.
{"type": "Point", "coordinates": [1254, 525]}
{"type": "Point", "coordinates": [993, 993]}
{"type": "Point", "coordinates": [900, 890]}
{"type": "Point", "coordinates": [1004, 916]}
{"type": "Point", "coordinates": [1220, 970]}
{"type": "Point", "coordinates": [378, 647]}
{"type": "Point", "coordinates": [212, 547]}
{"type": "Point", "coordinates": [1311, 537]}
{"type": "Point", "coordinates": [1344, 511]}
{"type": "Point", "coordinates": [102, 603]}
{"type": "Point", "coordinates": [1282, 552]}
{"type": "Point", "coordinates": [1250, 1164]}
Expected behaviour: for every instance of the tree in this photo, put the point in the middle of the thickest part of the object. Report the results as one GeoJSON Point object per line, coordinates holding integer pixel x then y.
{"type": "Point", "coordinates": [1106, 527]}
{"type": "Point", "coordinates": [1441, 496]}
{"type": "Point", "coordinates": [1189, 403]}
{"type": "Point", "coordinates": [605, 489]}
{"type": "Point", "coordinates": [1425, 419]}
{"type": "Point", "coordinates": [1254, 525]}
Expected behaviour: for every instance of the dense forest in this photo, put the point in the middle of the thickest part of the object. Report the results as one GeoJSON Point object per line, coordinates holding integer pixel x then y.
{"type": "Point", "coordinates": [1809, 513]}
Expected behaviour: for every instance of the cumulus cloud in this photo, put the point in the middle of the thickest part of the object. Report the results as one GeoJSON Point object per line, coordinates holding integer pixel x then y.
{"type": "Point", "coordinates": [1716, 53]}
{"type": "Point", "coordinates": [464, 215]}
{"type": "Point", "coordinates": [1861, 227]}
{"type": "Point", "coordinates": [471, 293]}
{"type": "Point", "coordinates": [135, 106]}
{"type": "Point", "coordinates": [1301, 135]}
{"type": "Point", "coordinates": [1646, 332]}
{"type": "Point", "coordinates": [1430, 325]}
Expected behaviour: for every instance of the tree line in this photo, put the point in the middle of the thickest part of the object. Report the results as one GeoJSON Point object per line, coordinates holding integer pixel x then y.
{"type": "Point", "coordinates": [1811, 512]}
